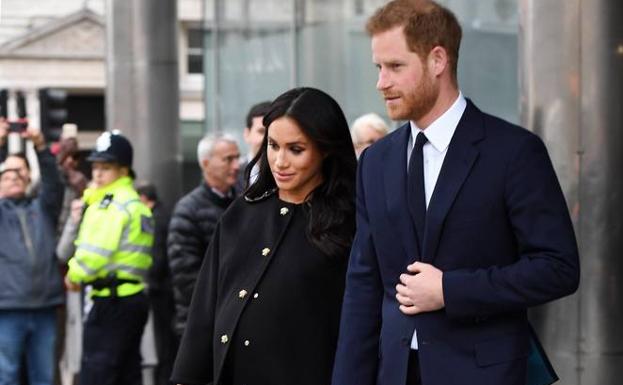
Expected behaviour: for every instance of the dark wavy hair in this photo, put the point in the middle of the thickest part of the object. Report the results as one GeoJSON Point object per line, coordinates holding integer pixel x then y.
{"type": "Point", "coordinates": [331, 204]}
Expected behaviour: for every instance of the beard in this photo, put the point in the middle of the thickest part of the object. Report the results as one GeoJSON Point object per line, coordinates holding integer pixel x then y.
{"type": "Point", "coordinates": [417, 102]}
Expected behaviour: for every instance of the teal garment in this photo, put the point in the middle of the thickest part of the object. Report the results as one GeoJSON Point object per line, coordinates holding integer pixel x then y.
{"type": "Point", "coordinates": [540, 370]}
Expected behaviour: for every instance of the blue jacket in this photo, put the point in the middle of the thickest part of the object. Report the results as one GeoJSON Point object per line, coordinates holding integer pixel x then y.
{"type": "Point", "coordinates": [497, 225]}
{"type": "Point", "coordinates": [29, 275]}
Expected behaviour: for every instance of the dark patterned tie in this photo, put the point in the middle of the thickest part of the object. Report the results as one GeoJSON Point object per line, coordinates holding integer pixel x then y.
{"type": "Point", "coordinates": [417, 195]}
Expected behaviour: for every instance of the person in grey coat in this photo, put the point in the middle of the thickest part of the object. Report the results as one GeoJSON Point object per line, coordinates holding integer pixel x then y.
{"type": "Point", "coordinates": [30, 282]}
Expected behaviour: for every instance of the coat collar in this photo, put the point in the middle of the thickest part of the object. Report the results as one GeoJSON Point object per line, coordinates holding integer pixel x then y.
{"type": "Point", "coordinates": [219, 199]}
{"type": "Point", "coordinates": [461, 156]}
{"type": "Point", "coordinates": [395, 182]}
{"type": "Point", "coordinates": [92, 195]}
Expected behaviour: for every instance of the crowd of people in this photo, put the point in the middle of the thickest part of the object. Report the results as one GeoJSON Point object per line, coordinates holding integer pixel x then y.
{"type": "Point", "coordinates": [311, 260]}
{"type": "Point", "coordinates": [119, 249]}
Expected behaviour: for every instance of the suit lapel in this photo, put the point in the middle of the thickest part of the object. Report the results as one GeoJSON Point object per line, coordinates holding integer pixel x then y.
{"type": "Point", "coordinates": [395, 182]}
{"type": "Point", "coordinates": [461, 156]}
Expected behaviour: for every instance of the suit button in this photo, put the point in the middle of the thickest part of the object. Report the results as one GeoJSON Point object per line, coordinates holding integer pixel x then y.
{"type": "Point", "coordinates": [242, 293]}
{"type": "Point", "coordinates": [265, 251]}
{"type": "Point", "coordinates": [283, 211]}
{"type": "Point", "coordinates": [224, 339]}
{"type": "Point", "coordinates": [256, 295]}
{"type": "Point", "coordinates": [247, 343]}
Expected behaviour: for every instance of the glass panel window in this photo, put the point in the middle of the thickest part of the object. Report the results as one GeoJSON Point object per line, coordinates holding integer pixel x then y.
{"type": "Point", "coordinates": [195, 51]}
{"type": "Point", "coordinates": [262, 48]}
{"type": "Point", "coordinates": [249, 60]}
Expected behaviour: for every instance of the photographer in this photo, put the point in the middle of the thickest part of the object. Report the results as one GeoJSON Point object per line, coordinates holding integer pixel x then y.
{"type": "Point", "coordinates": [30, 283]}
{"type": "Point", "coordinates": [14, 142]}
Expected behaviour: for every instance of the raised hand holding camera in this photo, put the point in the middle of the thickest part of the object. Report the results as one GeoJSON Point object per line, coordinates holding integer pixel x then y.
{"type": "Point", "coordinates": [35, 136]}
{"type": "Point", "coordinates": [4, 131]}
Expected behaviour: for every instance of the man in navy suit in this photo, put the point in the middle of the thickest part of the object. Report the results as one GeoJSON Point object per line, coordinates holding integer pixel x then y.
{"type": "Point", "coordinates": [461, 224]}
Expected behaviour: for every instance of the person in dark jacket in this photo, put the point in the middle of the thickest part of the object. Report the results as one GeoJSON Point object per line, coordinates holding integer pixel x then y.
{"type": "Point", "coordinates": [266, 308]}
{"type": "Point", "coordinates": [253, 135]}
{"type": "Point", "coordinates": [195, 216]}
{"type": "Point", "coordinates": [30, 282]}
{"type": "Point", "coordinates": [160, 290]}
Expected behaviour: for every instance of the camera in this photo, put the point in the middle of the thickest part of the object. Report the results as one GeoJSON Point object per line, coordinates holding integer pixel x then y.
{"type": "Point", "coordinates": [16, 143]}
{"type": "Point", "coordinates": [17, 126]}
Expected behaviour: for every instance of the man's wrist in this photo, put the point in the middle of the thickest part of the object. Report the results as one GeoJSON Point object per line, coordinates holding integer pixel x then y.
{"type": "Point", "coordinates": [41, 147]}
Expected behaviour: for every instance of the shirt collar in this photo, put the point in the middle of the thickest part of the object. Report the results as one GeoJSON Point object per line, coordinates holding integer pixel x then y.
{"type": "Point", "coordinates": [439, 132]}
{"type": "Point", "coordinates": [218, 193]}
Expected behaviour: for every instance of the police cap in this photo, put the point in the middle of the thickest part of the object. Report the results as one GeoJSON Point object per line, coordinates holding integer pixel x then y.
{"type": "Point", "coordinates": [112, 147]}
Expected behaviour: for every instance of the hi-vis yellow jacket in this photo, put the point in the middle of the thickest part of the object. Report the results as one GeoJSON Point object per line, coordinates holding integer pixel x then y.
{"type": "Point", "coordinates": [114, 240]}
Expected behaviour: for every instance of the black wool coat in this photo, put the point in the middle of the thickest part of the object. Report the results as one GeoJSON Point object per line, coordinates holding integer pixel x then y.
{"type": "Point", "coordinates": [267, 303]}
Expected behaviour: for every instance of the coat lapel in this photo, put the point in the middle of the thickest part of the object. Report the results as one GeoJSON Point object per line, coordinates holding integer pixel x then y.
{"type": "Point", "coordinates": [461, 156]}
{"type": "Point", "coordinates": [395, 182]}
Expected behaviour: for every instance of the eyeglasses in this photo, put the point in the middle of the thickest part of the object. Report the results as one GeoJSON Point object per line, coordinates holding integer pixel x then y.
{"type": "Point", "coordinates": [11, 175]}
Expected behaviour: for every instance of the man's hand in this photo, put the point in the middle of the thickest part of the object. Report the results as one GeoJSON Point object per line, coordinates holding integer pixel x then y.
{"type": "Point", "coordinates": [420, 291]}
{"type": "Point", "coordinates": [77, 205]}
{"type": "Point", "coordinates": [35, 135]}
{"type": "Point", "coordinates": [71, 286]}
{"type": "Point", "coordinates": [4, 131]}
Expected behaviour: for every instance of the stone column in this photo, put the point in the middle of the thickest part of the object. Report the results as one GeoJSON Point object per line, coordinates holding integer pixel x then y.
{"type": "Point", "coordinates": [142, 99]}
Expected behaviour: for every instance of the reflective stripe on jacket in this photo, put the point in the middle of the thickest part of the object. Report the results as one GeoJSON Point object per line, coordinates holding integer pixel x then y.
{"type": "Point", "coordinates": [115, 238]}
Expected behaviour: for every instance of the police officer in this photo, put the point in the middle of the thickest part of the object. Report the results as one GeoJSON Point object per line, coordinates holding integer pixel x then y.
{"type": "Point", "coordinates": [113, 254]}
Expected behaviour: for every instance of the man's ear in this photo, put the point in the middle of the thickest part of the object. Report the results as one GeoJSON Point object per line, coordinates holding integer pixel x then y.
{"type": "Point", "coordinates": [437, 60]}
{"type": "Point", "coordinates": [204, 163]}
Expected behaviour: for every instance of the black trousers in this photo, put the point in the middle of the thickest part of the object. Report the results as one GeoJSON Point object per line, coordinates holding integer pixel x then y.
{"type": "Point", "coordinates": [413, 370]}
{"type": "Point", "coordinates": [112, 341]}
{"type": "Point", "coordinates": [163, 309]}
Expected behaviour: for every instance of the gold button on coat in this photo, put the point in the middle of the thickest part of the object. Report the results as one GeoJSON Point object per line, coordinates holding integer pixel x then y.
{"type": "Point", "coordinates": [224, 339]}
{"type": "Point", "coordinates": [242, 293]}
{"type": "Point", "coordinates": [265, 251]}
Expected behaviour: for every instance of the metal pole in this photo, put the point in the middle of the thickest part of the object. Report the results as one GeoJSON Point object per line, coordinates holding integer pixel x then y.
{"type": "Point", "coordinates": [120, 98]}
{"type": "Point", "coordinates": [142, 94]}
{"type": "Point", "coordinates": [571, 84]}
{"type": "Point", "coordinates": [297, 7]}
{"type": "Point", "coordinates": [216, 66]}
{"type": "Point", "coordinates": [601, 191]}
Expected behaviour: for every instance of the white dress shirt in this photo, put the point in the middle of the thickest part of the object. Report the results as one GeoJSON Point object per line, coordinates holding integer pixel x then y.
{"type": "Point", "coordinates": [439, 133]}
{"type": "Point", "coordinates": [255, 171]}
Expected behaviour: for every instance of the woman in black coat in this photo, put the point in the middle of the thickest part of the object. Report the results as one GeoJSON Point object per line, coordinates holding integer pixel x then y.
{"type": "Point", "coordinates": [266, 307]}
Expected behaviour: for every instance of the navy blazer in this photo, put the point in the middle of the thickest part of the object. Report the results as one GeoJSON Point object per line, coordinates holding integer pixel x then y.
{"type": "Point", "coordinates": [497, 226]}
